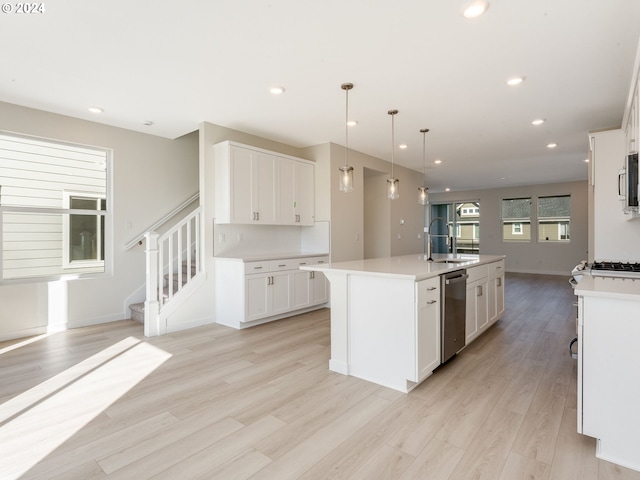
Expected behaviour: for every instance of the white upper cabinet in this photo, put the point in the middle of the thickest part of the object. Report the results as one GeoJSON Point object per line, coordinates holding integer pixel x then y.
{"type": "Point", "coordinates": [254, 186]}
{"type": "Point", "coordinates": [251, 187]}
{"type": "Point", "coordinates": [296, 192]}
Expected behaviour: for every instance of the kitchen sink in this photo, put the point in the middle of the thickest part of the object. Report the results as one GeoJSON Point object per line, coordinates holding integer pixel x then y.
{"type": "Point", "coordinates": [450, 260]}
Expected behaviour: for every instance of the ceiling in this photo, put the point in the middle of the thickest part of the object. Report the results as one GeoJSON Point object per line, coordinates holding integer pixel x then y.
{"type": "Point", "coordinates": [180, 63]}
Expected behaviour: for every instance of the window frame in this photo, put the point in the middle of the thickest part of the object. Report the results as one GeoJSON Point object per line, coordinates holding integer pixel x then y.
{"type": "Point", "coordinates": [558, 220]}
{"type": "Point", "coordinates": [67, 262]}
{"type": "Point", "coordinates": [513, 221]}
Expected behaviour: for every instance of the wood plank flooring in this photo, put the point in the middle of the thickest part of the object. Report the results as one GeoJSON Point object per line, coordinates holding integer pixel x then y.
{"type": "Point", "coordinates": [103, 402]}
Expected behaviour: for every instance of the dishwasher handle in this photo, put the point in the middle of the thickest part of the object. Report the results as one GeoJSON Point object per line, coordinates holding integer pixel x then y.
{"type": "Point", "coordinates": [460, 278]}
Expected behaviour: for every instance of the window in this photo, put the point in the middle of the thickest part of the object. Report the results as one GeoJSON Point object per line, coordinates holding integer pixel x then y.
{"type": "Point", "coordinates": [516, 219]}
{"type": "Point", "coordinates": [54, 209]}
{"type": "Point", "coordinates": [83, 235]}
{"type": "Point", "coordinates": [554, 218]}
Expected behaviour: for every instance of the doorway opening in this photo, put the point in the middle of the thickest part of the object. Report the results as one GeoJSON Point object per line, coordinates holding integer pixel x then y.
{"type": "Point", "coordinates": [463, 220]}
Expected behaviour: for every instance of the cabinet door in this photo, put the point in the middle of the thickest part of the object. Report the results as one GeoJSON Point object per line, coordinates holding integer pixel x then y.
{"type": "Point", "coordinates": [242, 187]}
{"type": "Point", "coordinates": [264, 196]}
{"type": "Point", "coordinates": [280, 293]}
{"type": "Point", "coordinates": [257, 296]}
{"type": "Point", "coordinates": [319, 288]}
{"type": "Point", "coordinates": [499, 295]}
{"type": "Point", "coordinates": [301, 289]}
{"type": "Point", "coordinates": [286, 193]}
{"type": "Point", "coordinates": [482, 304]}
{"type": "Point", "coordinates": [295, 193]}
{"type": "Point", "coordinates": [471, 313]}
{"type": "Point", "coordinates": [304, 193]}
{"type": "Point", "coordinates": [427, 327]}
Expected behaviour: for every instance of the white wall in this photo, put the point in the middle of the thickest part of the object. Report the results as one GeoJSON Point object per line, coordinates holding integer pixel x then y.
{"type": "Point", "coordinates": [529, 257]}
{"type": "Point", "coordinates": [152, 175]}
{"type": "Point", "coordinates": [347, 209]}
{"type": "Point", "coordinates": [377, 214]}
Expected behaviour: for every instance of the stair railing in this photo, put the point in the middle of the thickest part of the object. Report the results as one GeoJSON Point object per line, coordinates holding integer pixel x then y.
{"type": "Point", "coordinates": [166, 255]}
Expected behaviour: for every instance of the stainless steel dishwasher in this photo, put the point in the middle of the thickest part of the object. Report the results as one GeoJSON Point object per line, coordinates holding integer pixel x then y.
{"type": "Point", "coordinates": [454, 313]}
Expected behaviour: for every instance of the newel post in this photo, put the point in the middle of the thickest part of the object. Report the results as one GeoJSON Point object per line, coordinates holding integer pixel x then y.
{"type": "Point", "coordinates": [151, 305]}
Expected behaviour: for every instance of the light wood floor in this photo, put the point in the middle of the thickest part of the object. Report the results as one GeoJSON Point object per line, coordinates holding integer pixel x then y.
{"type": "Point", "coordinates": [215, 403]}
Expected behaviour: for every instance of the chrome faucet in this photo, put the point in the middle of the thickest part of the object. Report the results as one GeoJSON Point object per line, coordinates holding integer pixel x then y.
{"type": "Point", "coordinates": [429, 244]}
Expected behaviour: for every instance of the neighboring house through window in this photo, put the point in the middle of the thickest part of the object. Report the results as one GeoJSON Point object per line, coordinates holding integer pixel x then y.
{"type": "Point", "coordinates": [554, 218]}
{"type": "Point", "coordinates": [516, 219]}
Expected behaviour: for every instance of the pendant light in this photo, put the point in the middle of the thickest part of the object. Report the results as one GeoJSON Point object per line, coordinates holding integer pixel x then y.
{"type": "Point", "coordinates": [346, 171]}
{"type": "Point", "coordinates": [392, 183]}
{"type": "Point", "coordinates": [423, 192]}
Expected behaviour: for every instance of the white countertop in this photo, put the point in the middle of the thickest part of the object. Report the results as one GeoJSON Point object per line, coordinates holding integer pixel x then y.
{"type": "Point", "coordinates": [415, 267]}
{"type": "Point", "coordinates": [609, 287]}
{"type": "Point", "coordinates": [260, 257]}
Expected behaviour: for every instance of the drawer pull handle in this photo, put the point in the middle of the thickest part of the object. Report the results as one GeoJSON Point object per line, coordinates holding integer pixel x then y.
{"type": "Point", "coordinates": [431, 289]}
{"type": "Point", "coordinates": [283, 265]}
{"type": "Point", "coordinates": [431, 302]}
{"type": "Point", "coordinates": [302, 263]}
{"type": "Point", "coordinates": [320, 261]}
{"type": "Point", "coordinates": [257, 268]}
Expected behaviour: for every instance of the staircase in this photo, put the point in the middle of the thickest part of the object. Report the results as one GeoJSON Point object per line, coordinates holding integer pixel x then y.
{"type": "Point", "coordinates": [137, 309]}
{"type": "Point", "coordinates": [174, 271]}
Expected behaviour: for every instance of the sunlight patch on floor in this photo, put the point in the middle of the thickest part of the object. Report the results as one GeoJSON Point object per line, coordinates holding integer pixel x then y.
{"type": "Point", "coordinates": [35, 423]}
{"type": "Point", "coordinates": [24, 343]}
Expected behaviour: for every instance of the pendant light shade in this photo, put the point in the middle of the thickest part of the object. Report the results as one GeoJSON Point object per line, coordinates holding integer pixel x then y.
{"type": "Point", "coordinates": [393, 185]}
{"type": "Point", "coordinates": [423, 192]}
{"type": "Point", "coordinates": [346, 171]}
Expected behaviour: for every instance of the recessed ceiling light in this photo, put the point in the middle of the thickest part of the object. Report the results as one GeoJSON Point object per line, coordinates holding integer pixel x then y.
{"type": "Point", "coordinates": [447, 189]}
{"type": "Point", "coordinates": [96, 110]}
{"type": "Point", "coordinates": [437, 162]}
{"type": "Point", "coordinates": [475, 8]}
{"type": "Point", "coordinates": [352, 123]}
{"type": "Point", "coordinates": [402, 146]}
{"type": "Point", "coordinates": [513, 81]}
{"type": "Point", "coordinates": [586, 160]}
{"type": "Point", "coordinates": [538, 121]}
{"type": "Point", "coordinates": [276, 90]}
{"type": "Point", "coordinates": [552, 145]}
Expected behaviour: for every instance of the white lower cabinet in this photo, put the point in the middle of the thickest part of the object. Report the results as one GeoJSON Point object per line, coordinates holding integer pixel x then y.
{"type": "Point", "coordinates": [249, 293]}
{"type": "Point", "coordinates": [485, 298]}
{"type": "Point", "coordinates": [496, 291]}
{"type": "Point", "coordinates": [427, 342]}
{"type": "Point", "coordinates": [267, 294]}
{"type": "Point", "coordinates": [608, 389]}
{"type": "Point", "coordinates": [477, 302]}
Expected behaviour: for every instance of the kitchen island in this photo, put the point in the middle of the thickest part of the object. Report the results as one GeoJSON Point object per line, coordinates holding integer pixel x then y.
{"type": "Point", "coordinates": [385, 313]}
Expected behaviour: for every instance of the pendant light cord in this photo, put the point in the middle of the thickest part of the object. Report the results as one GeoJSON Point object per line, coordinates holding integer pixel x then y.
{"type": "Point", "coordinates": [346, 127]}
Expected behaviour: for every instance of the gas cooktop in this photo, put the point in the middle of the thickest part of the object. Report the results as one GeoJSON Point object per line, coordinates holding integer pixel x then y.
{"type": "Point", "coordinates": [615, 269]}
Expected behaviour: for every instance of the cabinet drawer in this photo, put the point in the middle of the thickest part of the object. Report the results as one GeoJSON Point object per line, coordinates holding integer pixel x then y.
{"type": "Point", "coordinates": [428, 292]}
{"type": "Point", "coordinates": [496, 269]}
{"type": "Point", "coordinates": [477, 273]}
{"type": "Point", "coordinates": [300, 262]}
{"type": "Point", "coordinates": [256, 267]}
{"type": "Point", "coordinates": [284, 264]}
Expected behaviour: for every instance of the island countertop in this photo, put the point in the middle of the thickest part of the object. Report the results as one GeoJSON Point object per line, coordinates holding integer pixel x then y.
{"type": "Point", "coordinates": [415, 267]}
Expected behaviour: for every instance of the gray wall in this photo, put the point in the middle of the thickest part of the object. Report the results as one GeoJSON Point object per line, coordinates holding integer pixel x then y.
{"type": "Point", "coordinates": [529, 257]}
{"type": "Point", "coordinates": [152, 175]}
